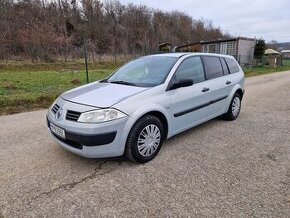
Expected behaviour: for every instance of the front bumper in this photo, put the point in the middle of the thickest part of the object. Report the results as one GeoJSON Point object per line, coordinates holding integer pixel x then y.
{"type": "Point", "coordinates": [79, 140]}
{"type": "Point", "coordinates": [86, 139]}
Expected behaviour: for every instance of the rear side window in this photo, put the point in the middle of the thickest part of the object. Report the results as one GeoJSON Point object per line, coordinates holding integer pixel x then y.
{"type": "Point", "coordinates": [190, 68]}
{"type": "Point", "coordinates": [225, 67]}
{"type": "Point", "coordinates": [213, 67]}
{"type": "Point", "coordinates": [232, 65]}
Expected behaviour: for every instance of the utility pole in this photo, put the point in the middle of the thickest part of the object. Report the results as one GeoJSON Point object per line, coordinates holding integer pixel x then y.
{"type": "Point", "coordinates": [145, 47]}
{"type": "Point", "coordinates": [86, 60]}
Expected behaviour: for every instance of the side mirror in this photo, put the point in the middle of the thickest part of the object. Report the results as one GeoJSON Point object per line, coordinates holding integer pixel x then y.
{"type": "Point", "coordinates": [181, 83]}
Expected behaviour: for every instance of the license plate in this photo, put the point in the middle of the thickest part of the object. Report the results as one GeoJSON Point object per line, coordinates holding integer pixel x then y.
{"type": "Point", "coordinates": [57, 130]}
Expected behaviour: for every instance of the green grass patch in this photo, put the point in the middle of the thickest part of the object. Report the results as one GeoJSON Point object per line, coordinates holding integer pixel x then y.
{"type": "Point", "coordinates": [255, 71]}
{"type": "Point", "coordinates": [24, 87]}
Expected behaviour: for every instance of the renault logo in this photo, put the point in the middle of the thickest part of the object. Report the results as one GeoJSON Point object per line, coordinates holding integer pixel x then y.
{"type": "Point", "coordinates": [58, 113]}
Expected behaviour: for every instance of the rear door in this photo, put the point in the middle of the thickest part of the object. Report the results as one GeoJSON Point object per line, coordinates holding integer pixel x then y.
{"type": "Point", "coordinates": [229, 82]}
{"type": "Point", "coordinates": [218, 91]}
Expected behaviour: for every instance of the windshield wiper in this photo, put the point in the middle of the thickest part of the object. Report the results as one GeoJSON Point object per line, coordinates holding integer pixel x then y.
{"type": "Point", "coordinates": [123, 83]}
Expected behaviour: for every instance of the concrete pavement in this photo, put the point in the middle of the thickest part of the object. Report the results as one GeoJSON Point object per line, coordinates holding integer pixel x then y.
{"type": "Point", "coordinates": [218, 169]}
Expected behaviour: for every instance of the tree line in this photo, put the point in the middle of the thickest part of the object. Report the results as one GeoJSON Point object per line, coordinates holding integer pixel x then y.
{"type": "Point", "coordinates": [53, 29]}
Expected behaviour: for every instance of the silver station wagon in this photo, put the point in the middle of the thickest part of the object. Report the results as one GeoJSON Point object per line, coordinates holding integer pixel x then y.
{"type": "Point", "coordinates": [144, 102]}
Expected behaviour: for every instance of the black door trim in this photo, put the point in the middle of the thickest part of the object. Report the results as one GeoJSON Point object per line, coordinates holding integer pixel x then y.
{"type": "Point", "coordinates": [199, 107]}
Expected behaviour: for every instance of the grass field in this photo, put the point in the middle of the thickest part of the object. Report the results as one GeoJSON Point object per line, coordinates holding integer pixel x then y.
{"type": "Point", "coordinates": [25, 86]}
{"type": "Point", "coordinates": [264, 70]}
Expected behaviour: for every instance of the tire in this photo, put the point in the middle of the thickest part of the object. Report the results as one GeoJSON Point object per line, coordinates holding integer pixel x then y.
{"type": "Point", "coordinates": [142, 147]}
{"type": "Point", "coordinates": [234, 108]}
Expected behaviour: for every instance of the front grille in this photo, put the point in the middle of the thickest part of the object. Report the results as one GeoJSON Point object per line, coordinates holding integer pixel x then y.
{"type": "Point", "coordinates": [72, 115]}
{"type": "Point", "coordinates": [55, 108]}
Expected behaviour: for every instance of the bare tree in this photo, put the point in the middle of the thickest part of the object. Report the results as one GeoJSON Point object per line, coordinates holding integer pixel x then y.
{"type": "Point", "coordinates": [47, 29]}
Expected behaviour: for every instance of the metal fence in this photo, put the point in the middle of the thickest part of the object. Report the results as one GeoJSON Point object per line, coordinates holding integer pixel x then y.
{"type": "Point", "coordinates": [248, 62]}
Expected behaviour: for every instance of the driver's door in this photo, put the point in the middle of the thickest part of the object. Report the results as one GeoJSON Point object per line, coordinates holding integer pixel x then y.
{"type": "Point", "coordinates": [189, 103]}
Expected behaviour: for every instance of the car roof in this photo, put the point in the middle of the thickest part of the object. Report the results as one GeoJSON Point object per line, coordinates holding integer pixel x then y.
{"type": "Point", "coordinates": [173, 54]}
{"type": "Point", "coordinates": [181, 54]}
{"type": "Point", "coordinates": [211, 54]}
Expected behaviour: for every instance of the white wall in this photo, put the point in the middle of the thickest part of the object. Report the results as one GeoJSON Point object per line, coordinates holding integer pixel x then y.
{"type": "Point", "coordinates": [245, 51]}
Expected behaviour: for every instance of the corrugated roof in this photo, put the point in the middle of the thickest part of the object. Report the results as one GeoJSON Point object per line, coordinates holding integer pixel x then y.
{"type": "Point", "coordinates": [227, 40]}
{"type": "Point", "coordinates": [165, 43]}
{"type": "Point", "coordinates": [193, 43]}
{"type": "Point", "coordinates": [271, 51]}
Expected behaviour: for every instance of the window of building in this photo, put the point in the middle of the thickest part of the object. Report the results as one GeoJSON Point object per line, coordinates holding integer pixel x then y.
{"type": "Point", "coordinates": [231, 48]}
{"type": "Point", "coordinates": [223, 48]}
{"type": "Point", "coordinates": [205, 48]}
{"type": "Point", "coordinates": [213, 48]}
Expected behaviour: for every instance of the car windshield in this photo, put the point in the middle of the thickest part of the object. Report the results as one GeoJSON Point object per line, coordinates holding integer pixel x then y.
{"type": "Point", "coordinates": [148, 71]}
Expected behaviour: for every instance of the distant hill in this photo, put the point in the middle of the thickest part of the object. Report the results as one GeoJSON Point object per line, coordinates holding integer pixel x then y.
{"type": "Point", "coordinates": [280, 46]}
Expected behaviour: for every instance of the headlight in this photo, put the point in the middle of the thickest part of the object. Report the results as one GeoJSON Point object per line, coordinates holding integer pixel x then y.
{"type": "Point", "coordinates": [99, 116]}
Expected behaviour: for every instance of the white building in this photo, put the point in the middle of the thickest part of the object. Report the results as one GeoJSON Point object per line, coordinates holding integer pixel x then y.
{"type": "Point", "coordinates": [285, 53]}
{"type": "Point", "coordinates": [241, 48]}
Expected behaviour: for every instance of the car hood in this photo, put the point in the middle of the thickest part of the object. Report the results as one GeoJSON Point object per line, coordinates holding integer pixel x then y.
{"type": "Point", "coordinates": [101, 95]}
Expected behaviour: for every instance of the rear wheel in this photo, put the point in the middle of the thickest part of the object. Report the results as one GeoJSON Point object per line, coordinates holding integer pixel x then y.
{"type": "Point", "coordinates": [145, 139]}
{"type": "Point", "coordinates": [234, 108]}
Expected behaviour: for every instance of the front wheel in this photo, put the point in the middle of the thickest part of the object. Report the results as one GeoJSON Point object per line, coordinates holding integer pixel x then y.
{"type": "Point", "coordinates": [145, 139]}
{"type": "Point", "coordinates": [234, 108]}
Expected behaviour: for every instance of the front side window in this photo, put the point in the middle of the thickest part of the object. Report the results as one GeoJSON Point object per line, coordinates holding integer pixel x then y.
{"type": "Point", "coordinates": [148, 71]}
{"type": "Point", "coordinates": [213, 67]}
{"type": "Point", "coordinates": [190, 68]}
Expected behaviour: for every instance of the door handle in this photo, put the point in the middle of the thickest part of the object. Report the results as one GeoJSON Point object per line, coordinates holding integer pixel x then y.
{"type": "Point", "coordinates": [205, 89]}
{"type": "Point", "coordinates": [228, 82]}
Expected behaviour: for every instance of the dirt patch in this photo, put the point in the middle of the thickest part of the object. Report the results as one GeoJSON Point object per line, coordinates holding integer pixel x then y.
{"type": "Point", "coordinates": [76, 82]}
{"type": "Point", "coordinates": [44, 98]}
{"type": "Point", "coordinates": [271, 157]}
{"type": "Point", "coordinates": [9, 86]}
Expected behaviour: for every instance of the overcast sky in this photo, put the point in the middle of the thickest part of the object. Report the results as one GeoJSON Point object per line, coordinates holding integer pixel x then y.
{"type": "Point", "coordinates": [269, 19]}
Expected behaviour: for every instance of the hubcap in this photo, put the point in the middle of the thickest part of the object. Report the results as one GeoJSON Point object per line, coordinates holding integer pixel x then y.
{"type": "Point", "coordinates": [236, 106]}
{"type": "Point", "coordinates": [149, 140]}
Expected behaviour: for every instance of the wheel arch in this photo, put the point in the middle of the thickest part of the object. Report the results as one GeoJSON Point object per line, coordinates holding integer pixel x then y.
{"type": "Point", "coordinates": [154, 110]}
{"type": "Point", "coordinates": [236, 89]}
{"type": "Point", "coordinates": [240, 92]}
{"type": "Point", "coordinates": [136, 118]}
{"type": "Point", "coordinates": [161, 117]}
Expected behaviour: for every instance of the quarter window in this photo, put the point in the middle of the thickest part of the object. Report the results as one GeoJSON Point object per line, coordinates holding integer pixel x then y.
{"type": "Point", "coordinates": [213, 67]}
{"type": "Point", "coordinates": [225, 68]}
{"type": "Point", "coordinates": [190, 68]}
{"type": "Point", "coordinates": [232, 65]}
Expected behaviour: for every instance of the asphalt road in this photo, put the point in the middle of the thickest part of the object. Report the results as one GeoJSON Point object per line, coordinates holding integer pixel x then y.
{"type": "Point", "coordinates": [218, 169]}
